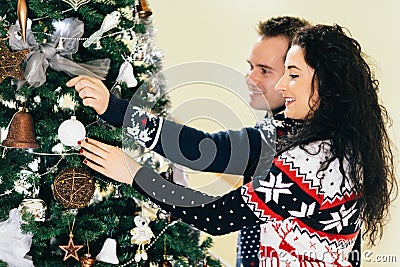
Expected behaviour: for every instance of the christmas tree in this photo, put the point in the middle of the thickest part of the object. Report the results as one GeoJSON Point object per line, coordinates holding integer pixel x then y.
{"type": "Point", "coordinates": [53, 210]}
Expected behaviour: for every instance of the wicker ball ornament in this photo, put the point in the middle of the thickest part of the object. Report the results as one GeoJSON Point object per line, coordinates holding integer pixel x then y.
{"type": "Point", "coordinates": [73, 188]}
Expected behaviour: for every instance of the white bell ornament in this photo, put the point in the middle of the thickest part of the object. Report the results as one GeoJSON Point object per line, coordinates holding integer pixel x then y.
{"type": "Point", "coordinates": [71, 131]}
{"type": "Point", "coordinates": [127, 75]}
{"type": "Point", "coordinates": [108, 252]}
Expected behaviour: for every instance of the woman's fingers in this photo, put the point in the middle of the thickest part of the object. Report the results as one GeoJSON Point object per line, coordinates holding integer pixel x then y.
{"type": "Point", "coordinates": [98, 144]}
{"type": "Point", "coordinates": [94, 150]}
{"type": "Point", "coordinates": [90, 155]}
{"type": "Point", "coordinates": [94, 166]}
{"type": "Point", "coordinates": [108, 160]}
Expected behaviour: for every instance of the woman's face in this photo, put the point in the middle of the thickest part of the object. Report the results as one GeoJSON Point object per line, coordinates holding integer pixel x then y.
{"type": "Point", "coordinates": [295, 86]}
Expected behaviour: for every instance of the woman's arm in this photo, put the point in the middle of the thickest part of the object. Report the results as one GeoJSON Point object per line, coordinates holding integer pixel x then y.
{"type": "Point", "coordinates": [291, 188]}
{"type": "Point", "coordinates": [214, 215]}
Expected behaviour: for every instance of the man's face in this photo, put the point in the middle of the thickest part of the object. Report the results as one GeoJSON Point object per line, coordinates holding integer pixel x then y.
{"type": "Point", "coordinates": [266, 62]}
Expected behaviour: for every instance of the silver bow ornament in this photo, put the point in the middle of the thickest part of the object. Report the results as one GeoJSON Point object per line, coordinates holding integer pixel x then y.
{"type": "Point", "coordinates": [56, 53]}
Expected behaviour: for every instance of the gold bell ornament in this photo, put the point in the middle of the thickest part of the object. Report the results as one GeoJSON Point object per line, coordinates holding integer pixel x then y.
{"type": "Point", "coordinates": [21, 131]}
{"type": "Point", "coordinates": [87, 260]}
{"type": "Point", "coordinates": [144, 9]}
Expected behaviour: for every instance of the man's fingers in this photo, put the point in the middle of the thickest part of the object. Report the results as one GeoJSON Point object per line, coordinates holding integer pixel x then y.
{"type": "Point", "coordinates": [89, 102]}
{"type": "Point", "coordinates": [85, 84]}
{"type": "Point", "coordinates": [88, 92]}
{"type": "Point", "coordinates": [81, 82]}
{"type": "Point", "coordinates": [73, 81]}
{"type": "Point", "coordinates": [78, 79]}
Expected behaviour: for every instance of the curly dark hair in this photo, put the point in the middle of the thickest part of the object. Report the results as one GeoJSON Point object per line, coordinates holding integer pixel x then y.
{"type": "Point", "coordinates": [285, 26]}
{"type": "Point", "coordinates": [350, 115]}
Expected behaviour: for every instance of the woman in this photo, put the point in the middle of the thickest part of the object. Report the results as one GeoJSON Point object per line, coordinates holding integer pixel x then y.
{"type": "Point", "coordinates": [334, 175]}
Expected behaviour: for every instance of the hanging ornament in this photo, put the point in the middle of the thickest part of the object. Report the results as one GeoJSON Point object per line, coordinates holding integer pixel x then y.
{"type": "Point", "coordinates": [35, 206]}
{"type": "Point", "coordinates": [10, 62]}
{"type": "Point", "coordinates": [117, 193]}
{"type": "Point", "coordinates": [71, 131]}
{"type": "Point", "coordinates": [165, 262]}
{"type": "Point", "coordinates": [71, 250]}
{"type": "Point", "coordinates": [108, 252]}
{"type": "Point", "coordinates": [127, 12]}
{"type": "Point", "coordinates": [140, 51]}
{"type": "Point", "coordinates": [205, 262]}
{"type": "Point", "coordinates": [76, 4]}
{"type": "Point", "coordinates": [129, 39]}
{"type": "Point", "coordinates": [126, 74]}
{"type": "Point", "coordinates": [60, 45]}
{"type": "Point", "coordinates": [110, 21]}
{"type": "Point", "coordinates": [21, 131]}
{"type": "Point", "coordinates": [87, 261]}
{"type": "Point", "coordinates": [141, 235]}
{"type": "Point", "coordinates": [22, 13]}
{"type": "Point", "coordinates": [163, 215]}
{"type": "Point", "coordinates": [73, 188]}
{"type": "Point", "coordinates": [143, 9]}
{"type": "Point", "coordinates": [45, 55]}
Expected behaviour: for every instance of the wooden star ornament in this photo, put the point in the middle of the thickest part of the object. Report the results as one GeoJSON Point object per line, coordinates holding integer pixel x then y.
{"type": "Point", "coordinates": [10, 62]}
{"type": "Point", "coordinates": [71, 250]}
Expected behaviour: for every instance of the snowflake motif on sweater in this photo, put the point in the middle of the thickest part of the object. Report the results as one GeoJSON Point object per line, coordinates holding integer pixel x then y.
{"type": "Point", "coordinates": [144, 128]}
{"type": "Point", "coordinates": [307, 220]}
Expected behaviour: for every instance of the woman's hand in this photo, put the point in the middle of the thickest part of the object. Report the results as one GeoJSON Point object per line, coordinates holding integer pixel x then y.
{"type": "Point", "coordinates": [93, 92]}
{"type": "Point", "coordinates": [109, 160]}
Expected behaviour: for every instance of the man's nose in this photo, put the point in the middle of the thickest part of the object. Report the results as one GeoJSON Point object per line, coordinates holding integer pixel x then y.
{"type": "Point", "coordinates": [253, 77]}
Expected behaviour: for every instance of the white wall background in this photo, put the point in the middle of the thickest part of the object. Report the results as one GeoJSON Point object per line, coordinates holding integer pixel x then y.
{"type": "Point", "coordinates": [223, 31]}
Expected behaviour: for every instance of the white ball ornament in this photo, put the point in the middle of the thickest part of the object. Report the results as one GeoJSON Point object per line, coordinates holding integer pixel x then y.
{"type": "Point", "coordinates": [71, 131]}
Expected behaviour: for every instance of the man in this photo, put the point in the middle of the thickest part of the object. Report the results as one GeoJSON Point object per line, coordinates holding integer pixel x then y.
{"type": "Point", "coordinates": [266, 62]}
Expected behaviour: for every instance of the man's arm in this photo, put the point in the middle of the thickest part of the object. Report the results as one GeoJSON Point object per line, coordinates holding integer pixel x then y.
{"type": "Point", "coordinates": [233, 152]}
{"type": "Point", "coordinates": [115, 111]}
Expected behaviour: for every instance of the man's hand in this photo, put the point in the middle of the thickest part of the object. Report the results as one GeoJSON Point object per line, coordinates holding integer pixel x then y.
{"type": "Point", "coordinates": [93, 92]}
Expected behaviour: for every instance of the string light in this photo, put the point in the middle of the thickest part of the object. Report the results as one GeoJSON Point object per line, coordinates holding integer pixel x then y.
{"type": "Point", "coordinates": [31, 151]}
{"type": "Point", "coordinates": [85, 38]}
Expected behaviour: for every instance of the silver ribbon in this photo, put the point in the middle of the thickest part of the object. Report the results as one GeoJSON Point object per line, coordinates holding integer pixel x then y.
{"type": "Point", "coordinates": [56, 57]}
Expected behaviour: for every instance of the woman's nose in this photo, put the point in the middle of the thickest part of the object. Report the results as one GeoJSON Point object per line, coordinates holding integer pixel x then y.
{"type": "Point", "coordinates": [280, 86]}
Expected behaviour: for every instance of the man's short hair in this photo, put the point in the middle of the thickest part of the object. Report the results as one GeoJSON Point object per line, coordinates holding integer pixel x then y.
{"type": "Point", "coordinates": [285, 26]}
